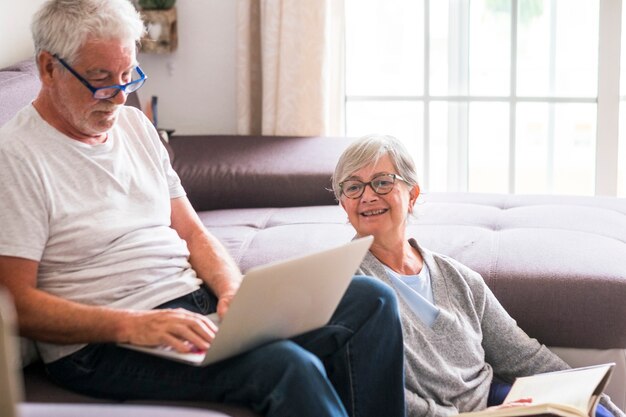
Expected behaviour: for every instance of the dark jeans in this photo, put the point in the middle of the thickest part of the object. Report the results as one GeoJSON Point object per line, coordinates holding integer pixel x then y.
{"type": "Point", "coordinates": [352, 366]}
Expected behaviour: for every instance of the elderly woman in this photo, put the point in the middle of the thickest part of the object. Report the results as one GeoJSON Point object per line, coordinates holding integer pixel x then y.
{"type": "Point", "coordinates": [457, 336]}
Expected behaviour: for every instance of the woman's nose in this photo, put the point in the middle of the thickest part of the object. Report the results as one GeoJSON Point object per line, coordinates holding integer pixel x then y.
{"type": "Point", "coordinates": [368, 193]}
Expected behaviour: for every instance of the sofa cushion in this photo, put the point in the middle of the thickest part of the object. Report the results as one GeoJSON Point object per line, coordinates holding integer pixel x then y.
{"type": "Point", "coordinates": [39, 389]}
{"type": "Point", "coordinates": [557, 264]}
{"type": "Point", "coordinates": [19, 85]}
{"type": "Point", "coordinates": [258, 173]}
{"type": "Point", "coordinates": [118, 410]}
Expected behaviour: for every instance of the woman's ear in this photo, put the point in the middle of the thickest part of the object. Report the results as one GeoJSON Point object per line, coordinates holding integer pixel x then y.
{"type": "Point", "coordinates": [414, 192]}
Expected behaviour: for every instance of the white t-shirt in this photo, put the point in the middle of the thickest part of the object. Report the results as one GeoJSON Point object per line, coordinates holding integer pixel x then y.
{"type": "Point", "coordinates": [95, 217]}
{"type": "Point", "coordinates": [417, 292]}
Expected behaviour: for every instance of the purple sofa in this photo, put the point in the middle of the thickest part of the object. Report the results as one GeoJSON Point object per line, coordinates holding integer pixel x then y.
{"type": "Point", "coordinates": [557, 264]}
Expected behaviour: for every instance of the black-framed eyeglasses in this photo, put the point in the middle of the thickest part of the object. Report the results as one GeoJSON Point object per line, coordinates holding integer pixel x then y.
{"type": "Point", "coordinates": [110, 91]}
{"type": "Point", "coordinates": [381, 184]}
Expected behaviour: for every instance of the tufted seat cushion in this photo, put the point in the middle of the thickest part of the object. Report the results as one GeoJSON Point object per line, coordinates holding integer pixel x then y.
{"type": "Point", "coordinates": [557, 264]}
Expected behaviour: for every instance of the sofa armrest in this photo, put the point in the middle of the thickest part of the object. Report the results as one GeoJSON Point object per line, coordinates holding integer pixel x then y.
{"type": "Point", "coordinates": [256, 171]}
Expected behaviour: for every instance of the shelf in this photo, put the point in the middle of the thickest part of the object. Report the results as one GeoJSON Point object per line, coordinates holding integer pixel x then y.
{"type": "Point", "coordinates": [161, 31]}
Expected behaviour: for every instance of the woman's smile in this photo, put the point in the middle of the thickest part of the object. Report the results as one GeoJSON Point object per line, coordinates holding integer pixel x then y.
{"type": "Point", "coordinates": [377, 212]}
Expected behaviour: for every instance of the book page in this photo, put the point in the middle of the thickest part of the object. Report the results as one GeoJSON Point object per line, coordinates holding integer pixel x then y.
{"type": "Point", "coordinates": [542, 410]}
{"type": "Point", "coordinates": [572, 387]}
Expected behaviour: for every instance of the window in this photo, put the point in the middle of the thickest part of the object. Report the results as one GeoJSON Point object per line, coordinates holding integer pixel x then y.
{"type": "Point", "coordinates": [621, 189]}
{"type": "Point", "coordinates": [491, 95]}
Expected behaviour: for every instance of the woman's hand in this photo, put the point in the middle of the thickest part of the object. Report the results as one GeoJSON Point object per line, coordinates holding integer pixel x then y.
{"type": "Point", "coordinates": [522, 402]}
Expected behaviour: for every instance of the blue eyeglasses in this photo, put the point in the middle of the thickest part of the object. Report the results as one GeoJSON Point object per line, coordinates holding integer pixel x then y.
{"type": "Point", "coordinates": [110, 91]}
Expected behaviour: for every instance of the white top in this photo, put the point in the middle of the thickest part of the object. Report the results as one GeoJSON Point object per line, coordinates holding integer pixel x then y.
{"type": "Point", "coordinates": [417, 292]}
{"type": "Point", "coordinates": [95, 217]}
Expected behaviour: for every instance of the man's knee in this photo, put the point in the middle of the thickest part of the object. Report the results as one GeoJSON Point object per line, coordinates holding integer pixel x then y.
{"type": "Point", "coordinates": [287, 359]}
{"type": "Point", "coordinates": [288, 380]}
{"type": "Point", "coordinates": [367, 289]}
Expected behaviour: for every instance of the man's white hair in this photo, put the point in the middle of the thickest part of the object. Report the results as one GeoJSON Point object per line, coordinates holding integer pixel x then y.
{"type": "Point", "coordinates": [62, 26]}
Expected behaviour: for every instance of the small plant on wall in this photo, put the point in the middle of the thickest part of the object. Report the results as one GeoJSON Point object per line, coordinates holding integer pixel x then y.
{"type": "Point", "coordinates": [160, 19]}
{"type": "Point", "coordinates": [156, 4]}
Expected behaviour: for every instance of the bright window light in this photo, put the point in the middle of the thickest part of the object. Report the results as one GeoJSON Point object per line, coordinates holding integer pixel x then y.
{"type": "Point", "coordinates": [489, 95]}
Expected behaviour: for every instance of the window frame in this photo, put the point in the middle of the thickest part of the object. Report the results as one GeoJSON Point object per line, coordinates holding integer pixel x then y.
{"type": "Point", "coordinates": [607, 104]}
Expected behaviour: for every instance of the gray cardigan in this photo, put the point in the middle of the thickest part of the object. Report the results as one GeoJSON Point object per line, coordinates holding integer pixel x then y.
{"type": "Point", "coordinates": [450, 366]}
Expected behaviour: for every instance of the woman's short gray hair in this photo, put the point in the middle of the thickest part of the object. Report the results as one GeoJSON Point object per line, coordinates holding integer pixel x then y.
{"type": "Point", "coordinates": [368, 150]}
{"type": "Point", "coordinates": [62, 26]}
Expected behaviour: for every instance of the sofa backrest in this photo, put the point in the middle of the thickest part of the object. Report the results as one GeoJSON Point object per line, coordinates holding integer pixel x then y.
{"type": "Point", "coordinates": [226, 172]}
{"type": "Point", "coordinates": [19, 85]}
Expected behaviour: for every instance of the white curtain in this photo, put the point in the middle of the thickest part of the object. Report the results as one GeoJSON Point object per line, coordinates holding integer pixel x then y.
{"type": "Point", "coordinates": [290, 67]}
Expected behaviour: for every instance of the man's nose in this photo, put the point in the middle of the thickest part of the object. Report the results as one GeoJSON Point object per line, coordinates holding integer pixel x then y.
{"type": "Point", "coordinates": [120, 98]}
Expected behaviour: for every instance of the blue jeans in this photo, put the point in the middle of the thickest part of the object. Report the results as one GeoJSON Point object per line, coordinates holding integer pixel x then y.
{"type": "Point", "coordinates": [352, 366]}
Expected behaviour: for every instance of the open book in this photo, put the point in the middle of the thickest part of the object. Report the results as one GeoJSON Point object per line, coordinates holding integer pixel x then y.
{"type": "Point", "coordinates": [569, 393]}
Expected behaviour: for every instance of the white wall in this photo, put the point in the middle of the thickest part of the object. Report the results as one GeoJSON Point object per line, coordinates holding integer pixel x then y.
{"type": "Point", "coordinates": [195, 84]}
{"type": "Point", "coordinates": [15, 39]}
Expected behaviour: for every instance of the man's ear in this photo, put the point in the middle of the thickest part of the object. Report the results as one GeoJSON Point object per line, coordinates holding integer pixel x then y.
{"type": "Point", "coordinates": [46, 65]}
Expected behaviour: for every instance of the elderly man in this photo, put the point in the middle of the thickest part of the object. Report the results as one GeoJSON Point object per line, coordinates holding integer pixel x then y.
{"type": "Point", "coordinates": [99, 245]}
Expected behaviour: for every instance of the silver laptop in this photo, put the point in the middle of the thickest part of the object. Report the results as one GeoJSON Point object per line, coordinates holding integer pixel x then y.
{"type": "Point", "coordinates": [278, 301]}
{"type": "Point", "coordinates": [10, 374]}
